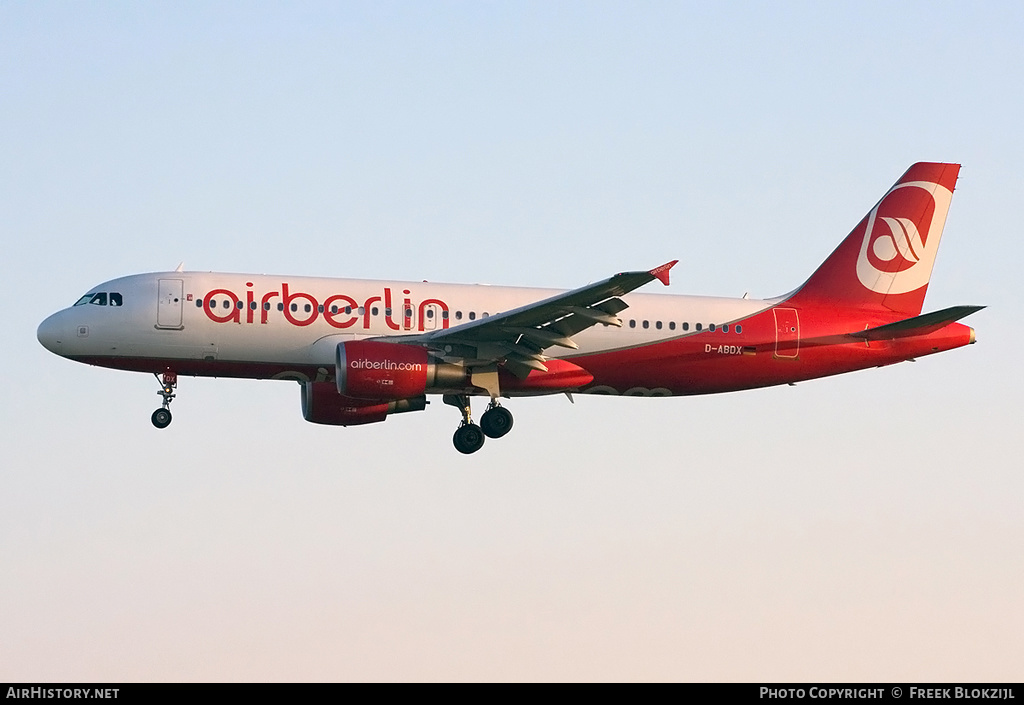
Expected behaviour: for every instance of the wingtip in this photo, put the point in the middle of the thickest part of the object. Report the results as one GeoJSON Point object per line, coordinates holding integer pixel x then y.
{"type": "Point", "coordinates": [661, 273]}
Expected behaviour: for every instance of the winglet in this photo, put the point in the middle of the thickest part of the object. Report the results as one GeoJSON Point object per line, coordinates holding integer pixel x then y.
{"type": "Point", "coordinates": [661, 273]}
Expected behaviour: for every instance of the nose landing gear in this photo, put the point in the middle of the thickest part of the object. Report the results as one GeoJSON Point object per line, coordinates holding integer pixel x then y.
{"type": "Point", "coordinates": [161, 418]}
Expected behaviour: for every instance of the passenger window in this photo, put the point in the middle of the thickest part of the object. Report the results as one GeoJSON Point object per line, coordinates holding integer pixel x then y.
{"type": "Point", "coordinates": [280, 307]}
{"type": "Point", "coordinates": [632, 323]}
{"type": "Point", "coordinates": [239, 305]}
{"type": "Point", "coordinates": [430, 313]}
{"type": "Point", "coordinates": [227, 304]}
{"type": "Point", "coordinates": [647, 324]}
{"type": "Point", "coordinates": [486, 314]}
{"type": "Point", "coordinates": [725, 328]}
{"type": "Point", "coordinates": [199, 303]}
{"type": "Point", "coordinates": [308, 308]}
{"type": "Point", "coordinates": [98, 299]}
{"type": "Point", "coordinates": [739, 328]}
{"type": "Point", "coordinates": [458, 315]}
{"type": "Point", "coordinates": [686, 326]}
{"type": "Point", "coordinates": [334, 309]}
{"type": "Point", "coordinates": [360, 310]}
{"type": "Point", "coordinates": [700, 326]}
{"type": "Point", "coordinates": [408, 313]}
{"type": "Point", "coordinates": [266, 305]}
{"type": "Point", "coordinates": [115, 299]}
{"type": "Point", "coordinates": [671, 325]}
{"type": "Point", "coordinates": [712, 328]}
{"type": "Point", "coordinates": [295, 307]}
{"type": "Point", "coordinates": [374, 310]}
{"type": "Point", "coordinates": [444, 315]}
{"type": "Point", "coordinates": [658, 325]}
{"type": "Point", "coordinates": [387, 311]}
{"type": "Point", "coordinates": [348, 310]}
{"type": "Point", "coordinates": [252, 305]}
{"type": "Point", "coordinates": [472, 315]}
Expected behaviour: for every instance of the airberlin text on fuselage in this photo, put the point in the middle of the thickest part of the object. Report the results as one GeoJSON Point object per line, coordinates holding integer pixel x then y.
{"type": "Point", "coordinates": [339, 310]}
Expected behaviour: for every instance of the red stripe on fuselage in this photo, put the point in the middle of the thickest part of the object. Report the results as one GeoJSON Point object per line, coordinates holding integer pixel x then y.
{"type": "Point", "coordinates": [699, 363]}
{"type": "Point", "coordinates": [713, 362]}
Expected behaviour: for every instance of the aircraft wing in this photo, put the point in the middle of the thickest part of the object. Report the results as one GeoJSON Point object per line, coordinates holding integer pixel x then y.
{"type": "Point", "coordinates": [518, 338]}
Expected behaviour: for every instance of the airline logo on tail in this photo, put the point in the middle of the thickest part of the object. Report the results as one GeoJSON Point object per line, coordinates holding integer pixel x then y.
{"type": "Point", "coordinates": [902, 237]}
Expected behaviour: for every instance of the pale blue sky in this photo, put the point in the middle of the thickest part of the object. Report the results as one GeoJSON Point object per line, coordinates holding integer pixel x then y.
{"type": "Point", "coordinates": [866, 527]}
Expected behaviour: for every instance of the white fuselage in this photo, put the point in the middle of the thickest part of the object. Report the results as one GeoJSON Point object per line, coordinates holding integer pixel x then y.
{"type": "Point", "coordinates": [297, 322]}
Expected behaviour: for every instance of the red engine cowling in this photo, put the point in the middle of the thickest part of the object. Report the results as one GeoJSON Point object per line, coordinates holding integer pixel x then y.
{"type": "Point", "coordinates": [367, 369]}
{"type": "Point", "coordinates": [322, 404]}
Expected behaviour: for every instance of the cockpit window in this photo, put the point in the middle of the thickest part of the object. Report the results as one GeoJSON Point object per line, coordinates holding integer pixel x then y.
{"type": "Point", "coordinates": [100, 299]}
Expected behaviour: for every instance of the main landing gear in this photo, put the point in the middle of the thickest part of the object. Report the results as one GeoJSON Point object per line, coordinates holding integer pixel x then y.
{"type": "Point", "coordinates": [469, 438]}
{"type": "Point", "coordinates": [161, 418]}
{"type": "Point", "coordinates": [496, 421]}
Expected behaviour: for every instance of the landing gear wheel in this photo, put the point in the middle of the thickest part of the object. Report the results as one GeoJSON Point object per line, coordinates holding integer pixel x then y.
{"type": "Point", "coordinates": [496, 421]}
{"type": "Point", "coordinates": [468, 438]}
{"type": "Point", "coordinates": [161, 418]}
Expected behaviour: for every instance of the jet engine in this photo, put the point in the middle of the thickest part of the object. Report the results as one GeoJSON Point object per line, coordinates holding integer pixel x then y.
{"type": "Point", "coordinates": [369, 369]}
{"type": "Point", "coordinates": [322, 404]}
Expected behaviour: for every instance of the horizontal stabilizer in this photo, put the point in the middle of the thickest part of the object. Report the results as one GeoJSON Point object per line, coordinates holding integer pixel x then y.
{"type": "Point", "coordinates": [918, 325]}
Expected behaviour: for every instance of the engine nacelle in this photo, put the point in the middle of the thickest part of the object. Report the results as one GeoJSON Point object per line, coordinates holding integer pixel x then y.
{"type": "Point", "coordinates": [370, 369]}
{"type": "Point", "coordinates": [322, 404]}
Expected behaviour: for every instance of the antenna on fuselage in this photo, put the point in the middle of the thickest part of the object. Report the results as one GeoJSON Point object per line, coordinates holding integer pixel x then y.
{"type": "Point", "coordinates": [180, 267]}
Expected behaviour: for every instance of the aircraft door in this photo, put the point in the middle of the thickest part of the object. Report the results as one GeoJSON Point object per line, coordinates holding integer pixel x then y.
{"type": "Point", "coordinates": [169, 304]}
{"type": "Point", "coordinates": [787, 333]}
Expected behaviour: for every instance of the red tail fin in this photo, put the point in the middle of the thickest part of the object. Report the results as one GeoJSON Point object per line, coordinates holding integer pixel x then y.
{"type": "Point", "coordinates": [887, 260]}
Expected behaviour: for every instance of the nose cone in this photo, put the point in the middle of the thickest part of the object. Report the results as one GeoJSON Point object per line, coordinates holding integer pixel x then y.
{"type": "Point", "coordinates": [51, 334]}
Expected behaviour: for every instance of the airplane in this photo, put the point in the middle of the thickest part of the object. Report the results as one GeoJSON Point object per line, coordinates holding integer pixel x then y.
{"type": "Point", "coordinates": [363, 350]}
